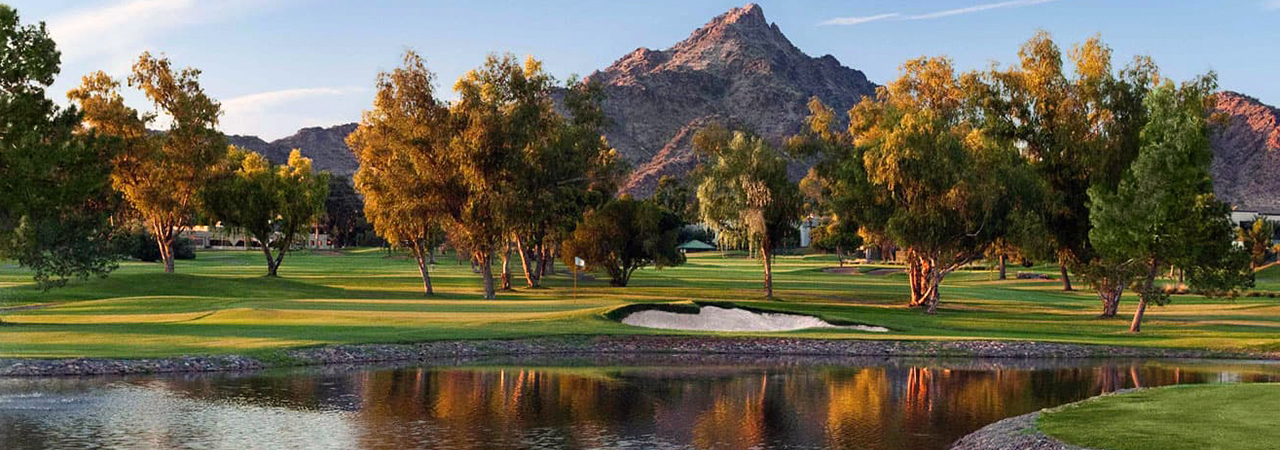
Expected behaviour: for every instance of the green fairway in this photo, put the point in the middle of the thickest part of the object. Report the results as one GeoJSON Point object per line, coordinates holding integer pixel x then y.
{"type": "Point", "coordinates": [221, 303]}
{"type": "Point", "coordinates": [1172, 418]}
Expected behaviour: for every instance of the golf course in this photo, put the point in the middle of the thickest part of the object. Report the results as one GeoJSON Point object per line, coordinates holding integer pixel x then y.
{"type": "Point", "coordinates": [220, 303]}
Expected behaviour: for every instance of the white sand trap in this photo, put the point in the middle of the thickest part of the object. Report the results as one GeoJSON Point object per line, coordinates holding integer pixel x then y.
{"type": "Point", "coordinates": [711, 318]}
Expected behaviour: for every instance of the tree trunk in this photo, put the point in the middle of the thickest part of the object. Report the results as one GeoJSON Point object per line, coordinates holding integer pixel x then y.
{"type": "Point", "coordinates": [1003, 272]}
{"type": "Point", "coordinates": [418, 250]}
{"type": "Point", "coordinates": [271, 261]}
{"type": "Point", "coordinates": [486, 273]}
{"type": "Point", "coordinates": [165, 242]}
{"type": "Point", "coordinates": [1136, 325]}
{"type": "Point", "coordinates": [1066, 277]}
{"type": "Point", "coordinates": [531, 276]}
{"type": "Point", "coordinates": [1110, 296]}
{"type": "Point", "coordinates": [839, 256]}
{"type": "Point", "coordinates": [768, 272]}
{"type": "Point", "coordinates": [915, 279]}
{"type": "Point", "coordinates": [506, 268]}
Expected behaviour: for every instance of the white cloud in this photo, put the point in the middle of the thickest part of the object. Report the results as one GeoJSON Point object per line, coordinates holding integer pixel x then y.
{"type": "Point", "coordinates": [858, 20]}
{"type": "Point", "coordinates": [940, 14]}
{"type": "Point", "coordinates": [273, 114]}
{"type": "Point", "coordinates": [1271, 5]}
{"type": "Point", "coordinates": [115, 33]}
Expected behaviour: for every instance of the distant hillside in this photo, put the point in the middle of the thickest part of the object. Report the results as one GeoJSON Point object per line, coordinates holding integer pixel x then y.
{"type": "Point", "coordinates": [326, 147]}
{"type": "Point", "coordinates": [737, 69]}
{"type": "Point", "coordinates": [1246, 163]}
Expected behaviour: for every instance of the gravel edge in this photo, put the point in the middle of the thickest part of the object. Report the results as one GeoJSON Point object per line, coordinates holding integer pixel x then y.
{"type": "Point", "coordinates": [361, 354]}
{"type": "Point", "coordinates": [1021, 433]}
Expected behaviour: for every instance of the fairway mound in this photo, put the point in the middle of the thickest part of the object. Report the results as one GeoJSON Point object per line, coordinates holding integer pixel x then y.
{"type": "Point", "coordinates": [713, 318]}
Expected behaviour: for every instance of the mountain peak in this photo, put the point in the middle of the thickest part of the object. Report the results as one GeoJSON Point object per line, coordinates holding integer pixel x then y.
{"type": "Point", "coordinates": [736, 69]}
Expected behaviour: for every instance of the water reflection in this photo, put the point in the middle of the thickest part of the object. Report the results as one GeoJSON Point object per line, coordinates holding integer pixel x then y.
{"type": "Point", "coordinates": [665, 403]}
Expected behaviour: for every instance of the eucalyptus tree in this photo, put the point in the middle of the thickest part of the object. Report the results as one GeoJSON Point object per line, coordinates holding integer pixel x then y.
{"type": "Point", "coordinates": [406, 175]}
{"type": "Point", "coordinates": [503, 113]}
{"type": "Point", "coordinates": [915, 168]}
{"type": "Point", "coordinates": [1078, 128]}
{"type": "Point", "coordinates": [1163, 212]}
{"type": "Point", "coordinates": [274, 204]}
{"type": "Point", "coordinates": [159, 174]}
{"type": "Point", "coordinates": [558, 180]}
{"type": "Point", "coordinates": [55, 192]}
{"type": "Point", "coordinates": [745, 191]}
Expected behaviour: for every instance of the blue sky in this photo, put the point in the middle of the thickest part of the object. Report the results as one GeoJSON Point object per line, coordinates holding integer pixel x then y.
{"type": "Point", "coordinates": [279, 65]}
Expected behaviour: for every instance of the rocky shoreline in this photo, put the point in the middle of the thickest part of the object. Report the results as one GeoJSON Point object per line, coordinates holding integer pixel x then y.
{"type": "Point", "coordinates": [365, 354]}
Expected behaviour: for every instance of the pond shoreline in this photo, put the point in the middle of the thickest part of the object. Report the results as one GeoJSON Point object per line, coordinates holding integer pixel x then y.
{"type": "Point", "coordinates": [1020, 432]}
{"type": "Point", "coordinates": [370, 354]}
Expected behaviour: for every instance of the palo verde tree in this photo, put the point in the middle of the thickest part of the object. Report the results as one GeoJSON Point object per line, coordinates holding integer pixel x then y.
{"type": "Point", "coordinates": [745, 192]}
{"type": "Point", "coordinates": [623, 236]}
{"type": "Point", "coordinates": [504, 112]}
{"type": "Point", "coordinates": [1077, 127]}
{"type": "Point", "coordinates": [410, 184]}
{"type": "Point", "coordinates": [945, 189]}
{"type": "Point", "coordinates": [55, 192]}
{"type": "Point", "coordinates": [274, 204]}
{"type": "Point", "coordinates": [1163, 212]}
{"type": "Point", "coordinates": [160, 175]}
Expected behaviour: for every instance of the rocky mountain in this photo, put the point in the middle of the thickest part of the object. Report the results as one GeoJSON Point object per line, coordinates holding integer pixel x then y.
{"type": "Point", "coordinates": [326, 147]}
{"type": "Point", "coordinates": [738, 69]}
{"type": "Point", "coordinates": [1246, 163]}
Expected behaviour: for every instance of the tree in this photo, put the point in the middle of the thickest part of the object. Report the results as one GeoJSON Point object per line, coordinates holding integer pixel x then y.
{"type": "Point", "coordinates": [503, 110]}
{"type": "Point", "coordinates": [1164, 212]}
{"type": "Point", "coordinates": [623, 236]}
{"type": "Point", "coordinates": [161, 174]}
{"type": "Point", "coordinates": [914, 168]}
{"type": "Point", "coordinates": [274, 204]}
{"type": "Point", "coordinates": [1257, 240]}
{"type": "Point", "coordinates": [409, 181]}
{"type": "Point", "coordinates": [344, 212]}
{"type": "Point", "coordinates": [55, 193]}
{"type": "Point", "coordinates": [674, 195]}
{"type": "Point", "coordinates": [559, 178]}
{"type": "Point", "coordinates": [1077, 130]}
{"type": "Point", "coordinates": [837, 236]}
{"type": "Point", "coordinates": [745, 191]}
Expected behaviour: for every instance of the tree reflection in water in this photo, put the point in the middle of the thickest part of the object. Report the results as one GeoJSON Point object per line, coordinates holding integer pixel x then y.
{"type": "Point", "coordinates": [887, 404]}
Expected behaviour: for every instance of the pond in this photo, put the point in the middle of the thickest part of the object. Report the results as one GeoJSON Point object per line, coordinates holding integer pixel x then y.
{"type": "Point", "coordinates": [577, 402]}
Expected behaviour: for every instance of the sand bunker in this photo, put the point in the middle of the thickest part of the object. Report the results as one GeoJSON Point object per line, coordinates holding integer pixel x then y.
{"type": "Point", "coordinates": [711, 318]}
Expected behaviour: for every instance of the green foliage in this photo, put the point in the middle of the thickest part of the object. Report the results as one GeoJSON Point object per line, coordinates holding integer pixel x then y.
{"type": "Point", "coordinates": [1077, 127]}
{"type": "Point", "coordinates": [55, 196]}
{"type": "Point", "coordinates": [274, 204]}
{"type": "Point", "coordinates": [160, 175]}
{"type": "Point", "coordinates": [745, 194]}
{"type": "Point", "coordinates": [836, 236]}
{"type": "Point", "coordinates": [623, 236]}
{"type": "Point", "coordinates": [1164, 211]}
{"type": "Point", "coordinates": [141, 245]}
{"type": "Point", "coordinates": [674, 195]}
{"type": "Point", "coordinates": [1257, 240]}
{"type": "Point", "coordinates": [915, 169]}
{"type": "Point", "coordinates": [344, 213]}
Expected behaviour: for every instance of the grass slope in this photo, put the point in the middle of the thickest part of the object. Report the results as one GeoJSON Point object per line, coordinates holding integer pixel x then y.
{"type": "Point", "coordinates": [1180, 417]}
{"type": "Point", "coordinates": [220, 303]}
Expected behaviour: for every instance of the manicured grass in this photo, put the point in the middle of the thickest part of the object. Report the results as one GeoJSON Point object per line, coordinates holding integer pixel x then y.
{"type": "Point", "coordinates": [220, 303]}
{"type": "Point", "coordinates": [1202, 417]}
